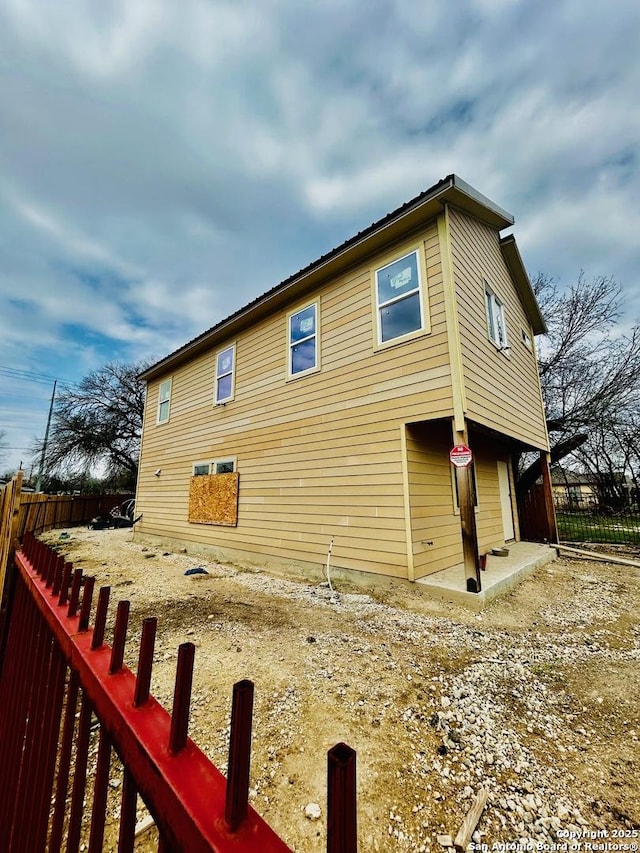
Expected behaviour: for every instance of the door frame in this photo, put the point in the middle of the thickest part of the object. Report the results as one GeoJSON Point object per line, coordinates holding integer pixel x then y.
{"type": "Point", "coordinates": [506, 500]}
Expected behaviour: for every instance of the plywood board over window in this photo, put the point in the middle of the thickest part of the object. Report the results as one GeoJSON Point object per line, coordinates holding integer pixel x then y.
{"type": "Point", "coordinates": [213, 499]}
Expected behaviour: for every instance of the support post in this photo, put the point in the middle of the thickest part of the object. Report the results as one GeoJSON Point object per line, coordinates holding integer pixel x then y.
{"type": "Point", "coordinates": [550, 512]}
{"type": "Point", "coordinates": [469, 530]}
{"type": "Point", "coordinates": [468, 520]}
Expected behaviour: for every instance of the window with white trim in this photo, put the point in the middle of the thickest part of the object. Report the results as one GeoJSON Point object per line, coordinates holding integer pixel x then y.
{"type": "Point", "coordinates": [218, 466]}
{"type": "Point", "coordinates": [164, 401]}
{"type": "Point", "coordinates": [225, 374]}
{"type": "Point", "coordinates": [303, 340]}
{"type": "Point", "coordinates": [399, 298]}
{"type": "Point", "coordinates": [496, 322]}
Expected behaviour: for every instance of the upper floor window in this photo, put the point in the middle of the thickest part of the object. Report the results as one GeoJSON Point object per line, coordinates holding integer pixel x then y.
{"type": "Point", "coordinates": [303, 340]}
{"type": "Point", "coordinates": [225, 365]}
{"type": "Point", "coordinates": [399, 298]}
{"type": "Point", "coordinates": [496, 322]}
{"type": "Point", "coordinates": [218, 466]}
{"type": "Point", "coordinates": [164, 401]}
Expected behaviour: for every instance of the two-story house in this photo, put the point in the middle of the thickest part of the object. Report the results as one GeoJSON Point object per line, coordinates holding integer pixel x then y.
{"type": "Point", "coordinates": [327, 407]}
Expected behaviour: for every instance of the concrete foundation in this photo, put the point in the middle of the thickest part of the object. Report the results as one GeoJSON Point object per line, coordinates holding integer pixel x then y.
{"type": "Point", "coordinates": [501, 575]}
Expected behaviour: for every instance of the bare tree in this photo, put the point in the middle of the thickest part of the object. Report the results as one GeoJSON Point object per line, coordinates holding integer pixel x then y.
{"type": "Point", "coordinates": [97, 424]}
{"type": "Point", "coordinates": [611, 454]}
{"type": "Point", "coordinates": [590, 373]}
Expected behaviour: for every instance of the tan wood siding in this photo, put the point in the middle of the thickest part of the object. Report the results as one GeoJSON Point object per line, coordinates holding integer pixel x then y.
{"type": "Point", "coordinates": [502, 391]}
{"type": "Point", "coordinates": [489, 516]}
{"type": "Point", "coordinates": [318, 456]}
{"type": "Point", "coordinates": [435, 522]}
{"type": "Point", "coordinates": [435, 528]}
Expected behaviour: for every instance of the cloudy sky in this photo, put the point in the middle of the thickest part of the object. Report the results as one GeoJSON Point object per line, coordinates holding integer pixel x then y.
{"type": "Point", "coordinates": [163, 163]}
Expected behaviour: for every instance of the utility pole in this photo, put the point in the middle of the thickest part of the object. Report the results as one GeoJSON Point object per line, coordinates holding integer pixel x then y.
{"type": "Point", "coordinates": [46, 439]}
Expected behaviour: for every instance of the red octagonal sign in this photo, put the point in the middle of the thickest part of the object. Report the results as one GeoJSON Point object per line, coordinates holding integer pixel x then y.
{"type": "Point", "coordinates": [461, 456]}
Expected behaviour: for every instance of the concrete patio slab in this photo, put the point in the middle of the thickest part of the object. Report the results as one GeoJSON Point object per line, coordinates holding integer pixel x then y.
{"type": "Point", "coordinates": [501, 575]}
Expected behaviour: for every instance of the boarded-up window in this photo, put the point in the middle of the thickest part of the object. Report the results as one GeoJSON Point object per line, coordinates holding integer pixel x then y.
{"type": "Point", "coordinates": [213, 499]}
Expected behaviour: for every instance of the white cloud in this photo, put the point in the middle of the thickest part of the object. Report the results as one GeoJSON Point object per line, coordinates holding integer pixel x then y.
{"type": "Point", "coordinates": [162, 164]}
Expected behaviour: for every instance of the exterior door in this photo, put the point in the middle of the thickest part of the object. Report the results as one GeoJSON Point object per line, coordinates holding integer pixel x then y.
{"type": "Point", "coordinates": [504, 486]}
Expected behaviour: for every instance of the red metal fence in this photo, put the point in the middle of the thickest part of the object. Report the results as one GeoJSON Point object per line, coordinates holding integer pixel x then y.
{"type": "Point", "coordinates": [57, 674]}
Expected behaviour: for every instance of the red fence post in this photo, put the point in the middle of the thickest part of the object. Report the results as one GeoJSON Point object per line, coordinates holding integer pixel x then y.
{"type": "Point", "coordinates": [126, 838]}
{"type": "Point", "coordinates": [119, 637]}
{"type": "Point", "coordinates": [101, 617]}
{"type": "Point", "coordinates": [16, 672]}
{"type": "Point", "coordinates": [342, 833]}
{"type": "Point", "coordinates": [31, 794]}
{"type": "Point", "coordinates": [85, 609]}
{"type": "Point", "coordinates": [99, 809]}
{"type": "Point", "coordinates": [237, 795]}
{"type": "Point", "coordinates": [182, 789]}
{"type": "Point", "coordinates": [145, 661]}
{"type": "Point", "coordinates": [182, 698]}
{"type": "Point", "coordinates": [54, 705]}
{"type": "Point", "coordinates": [79, 776]}
{"type": "Point", "coordinates": [62, 782]}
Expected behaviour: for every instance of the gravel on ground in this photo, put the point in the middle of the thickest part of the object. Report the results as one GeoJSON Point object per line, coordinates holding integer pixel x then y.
{"type": "Point", "coordinates": [536, 698]}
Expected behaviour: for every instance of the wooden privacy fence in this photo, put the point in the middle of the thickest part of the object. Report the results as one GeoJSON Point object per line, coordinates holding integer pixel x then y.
{"type": "Point", "coordinates": [55, 663]}
{"type": "Point", "coordinates": [536, 516]}
{"type": "Point", "coordinates": [44, 512]}
{"type": "Point", "coordinates": [9, 503]}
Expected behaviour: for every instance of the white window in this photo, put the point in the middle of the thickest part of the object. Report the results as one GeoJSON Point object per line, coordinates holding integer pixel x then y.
{"type": "Point", "coordinates": [223, 466]}
{"type": "Point", "coordinates": [526, 339]}
{"type": "Point", "coordinates": [399, 298]}
{"type": "Point", "coordinates": [303, 340]}
{"type": "Point", "coordinates": [164, 401]}
{"type": "Point", "coordinates": [218, 466]}
{"type": "Point", "coordinates": [496, 323]}
{"type": "Point", "coordinates": [225, 367]}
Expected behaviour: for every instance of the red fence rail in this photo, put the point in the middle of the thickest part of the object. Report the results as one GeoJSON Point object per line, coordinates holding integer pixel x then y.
{"type": "Point", "coordinates": [55, 664]}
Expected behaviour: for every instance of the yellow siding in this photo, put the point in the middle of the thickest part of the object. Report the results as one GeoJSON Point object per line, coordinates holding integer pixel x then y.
{"type": "Point", "coordinates": [435, 522]}
{"type": "Point", "coordinates": [318, 456]}
{"type": "Point", "coordinates": [435, 528]}
{"type": "Point", "coordinates": [328, 454]}
{"type": "Point", "coordinates": [502, 391]}
{"type": "Point", "coordinates": [489, 515]}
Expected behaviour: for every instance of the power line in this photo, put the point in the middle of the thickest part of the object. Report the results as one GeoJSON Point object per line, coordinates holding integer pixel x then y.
{"type": "Point", "coordinates": [32, 376]}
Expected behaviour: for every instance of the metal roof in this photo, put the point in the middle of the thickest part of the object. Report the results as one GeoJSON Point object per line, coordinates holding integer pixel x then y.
{"type": "Point", "coordinates": [450, 190]}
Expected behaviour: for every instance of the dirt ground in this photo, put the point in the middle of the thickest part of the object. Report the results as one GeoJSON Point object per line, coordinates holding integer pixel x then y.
{"type": "Point", "coordinates": [536, 699]}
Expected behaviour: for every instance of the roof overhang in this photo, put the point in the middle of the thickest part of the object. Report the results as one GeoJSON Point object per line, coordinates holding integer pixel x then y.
{"type": "Point", "coordinates": [513, 260]}
{"type": "Point", "coordinates": [411, 216]}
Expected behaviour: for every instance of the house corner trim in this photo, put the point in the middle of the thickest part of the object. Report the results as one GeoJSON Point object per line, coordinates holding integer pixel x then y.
{"type": "Point", "coordinates": [451, 315]}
